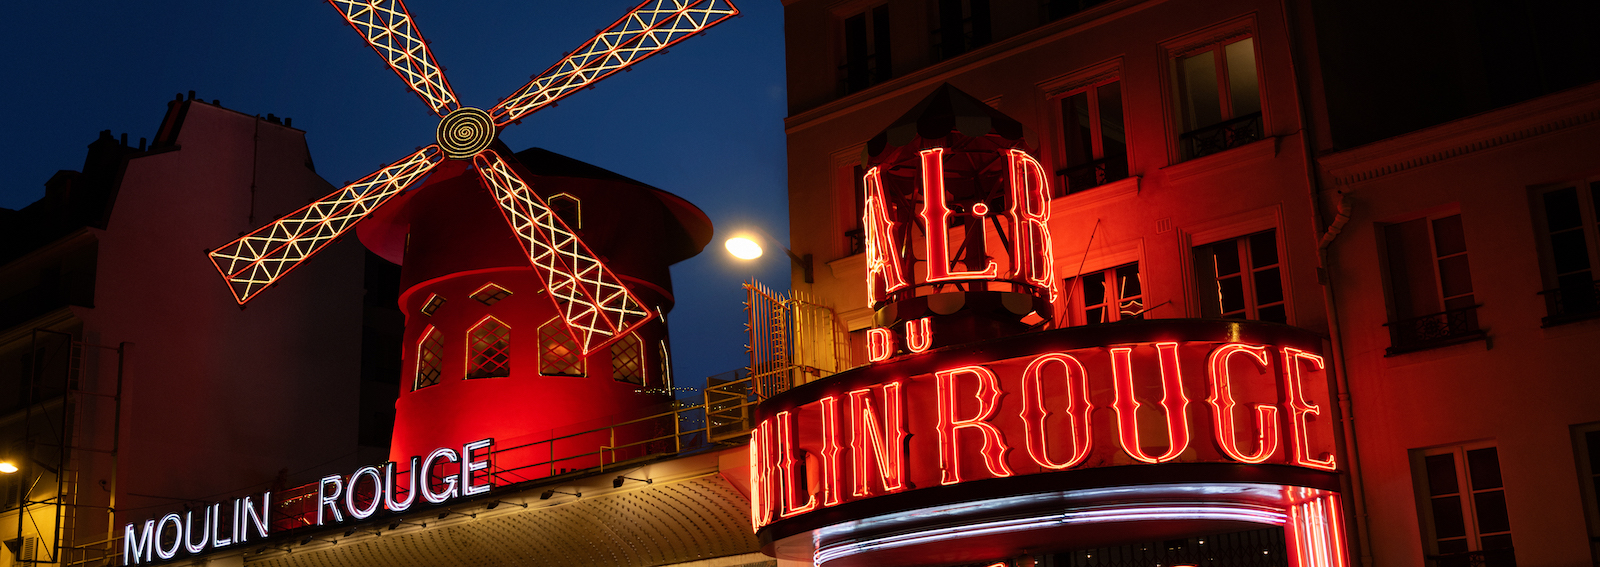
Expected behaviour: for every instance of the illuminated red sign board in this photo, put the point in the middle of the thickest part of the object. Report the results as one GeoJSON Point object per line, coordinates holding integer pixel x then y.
{"type": "Point", "coordinates": [1046, 402]}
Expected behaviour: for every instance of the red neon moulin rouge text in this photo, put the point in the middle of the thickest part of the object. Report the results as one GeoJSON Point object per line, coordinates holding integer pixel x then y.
{"type": "Point", "coordinates": [1129, 404]}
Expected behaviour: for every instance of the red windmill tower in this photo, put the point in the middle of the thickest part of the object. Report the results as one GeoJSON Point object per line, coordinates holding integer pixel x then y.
{"type": "Point", "coordinates": [552, 284]}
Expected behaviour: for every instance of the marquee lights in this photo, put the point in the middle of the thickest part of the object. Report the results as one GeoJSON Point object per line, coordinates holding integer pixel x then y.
{"type": "Point", "coordinates": [144, 544]}
{"type": "Point", "coordinates": [936, 219]}
{"type": "Point", "coordinates": [1035, 414]}
{"type": "Point", "coordinates": [1172, 401]}
{"type": "Point", "coordinates": [1222, 405]}
{"type": "Point", "coordinates": [885, 275]}
{"type": "Point", "coordinates": [1301, 408]}
{"type": "Point", "coordinates": [888, 217]}
{"type": "Point", "coordinates": [918, 430]}
{"type": "Point", "coordinates": [988, 396]}
{"type": "Point", "coordinates": [597, 308]}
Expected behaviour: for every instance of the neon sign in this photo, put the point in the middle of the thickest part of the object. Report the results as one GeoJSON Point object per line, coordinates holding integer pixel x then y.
{"type": "Point", "coordinates": [360, 495]}
{"type": "Point", "coordinates": [1127, 403]}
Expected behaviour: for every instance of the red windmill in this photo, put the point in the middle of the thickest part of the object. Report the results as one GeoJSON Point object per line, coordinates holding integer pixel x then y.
{"type": "Point", "coordinates": [593, 302]}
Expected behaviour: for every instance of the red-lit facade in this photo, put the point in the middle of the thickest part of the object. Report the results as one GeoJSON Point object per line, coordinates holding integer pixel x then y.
{"type": "Point", "coordinates": [1200, 171]}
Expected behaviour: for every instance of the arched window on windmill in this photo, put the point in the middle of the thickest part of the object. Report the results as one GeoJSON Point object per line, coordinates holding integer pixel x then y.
{"type": "Point", "coordinates": [430, 358]}
{"type": "Point", "coordinates": [489, 349]}
{"type": "Point", "coordinates": [568, 209]}
{"type": "Point", "coordinates": [627, 360]}
{"type": "Point", "coordinates": [558, 352]}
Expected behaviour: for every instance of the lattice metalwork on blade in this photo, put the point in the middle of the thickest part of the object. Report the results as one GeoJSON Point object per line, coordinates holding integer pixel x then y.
{"type": "Point", "coordinates": [648, 29]}
{"type": "Point", "coordinates": [388, 28]}
{"type": "Point", "coordinates": [258, 259]}
{"type": "Point", "coordinates": [597, 308]}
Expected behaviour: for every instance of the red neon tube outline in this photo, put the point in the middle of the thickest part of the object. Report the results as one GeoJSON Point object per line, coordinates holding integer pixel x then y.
{"type": "Point", "coordinates": [883, 262]}
{"type": "Point", "coordinates": [880, 344]}
{"type": "Point", "coordinates": [1032, 258]}
{"type": "Point", "coordinates": [1035, 414]}
{"type": "Point", "coordinates": [1300, 407]}
{"type": "Point", "coordinates": [788, 455]}
{"type": "Point", "coordinates": [1222, 405]}
{"type": "Point", "coordinates": [936, 220]}
{"type": "Point", "coordinates": [884, 442]}
{"type": "Point", "coordinates": [1172, 400]}
{"type": "Point", "coordinates": [757, 484]}
{"type": "Point", "coordinates": [829, 455]}
{"type": "Point", "coordinates": [919, 334]}
{"type": "Point", "coordinates": [994, 443]}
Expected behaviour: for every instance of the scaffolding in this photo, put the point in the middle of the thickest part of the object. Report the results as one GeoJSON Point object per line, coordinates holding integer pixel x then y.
{"type": "Point", "coordinates": [69, 427]}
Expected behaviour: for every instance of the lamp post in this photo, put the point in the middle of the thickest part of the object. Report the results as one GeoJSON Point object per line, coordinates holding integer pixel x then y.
{"type": "Point", "coordinates": [745, 247]}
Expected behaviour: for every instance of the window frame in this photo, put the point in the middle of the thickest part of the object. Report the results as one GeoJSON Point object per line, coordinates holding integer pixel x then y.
{"type": "Point", "coordinates": [1589, 224]}
{"type": "Point", "coordinates": [1472, 328]}
{"type": "Point", "coordinates": [471, 353]}
{"type": "Point", "coordinates": [422, 341]}
{"type": "Point", "coordinates": [1588, 483]}
{"type": "Point", "coordinates": [1215, 38]}
{"type": "Point", "coordinates": [583, 363]}
{"type": "Point", "coordinates": [637, 344]}
{"type": "Point", "coordinates": [1247, 271]}
{"type": "Point", "coordinates": [1075, 309]}
{"type": "Point", "coordinates": [1465, 491]}
{"type": "Point", "coordinates": [970, 41]}
{"type": "Point", "coordinates": [1057, 97]}
{"type": "Point", "coordinates": [879, 67]}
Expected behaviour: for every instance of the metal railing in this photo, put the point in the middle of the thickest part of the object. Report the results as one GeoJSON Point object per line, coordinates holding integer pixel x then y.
{"type": "Point", "coordinates": [1224, 135]}
{"type": "Point", "coordinates": [794, 339]}
{"type": "Point", "coordinates": [1571, 303]}
{"type": "Point", "coordinates": [1504, 557]}
{"type": "Point", "coordinates": [1092, 174]}
{"type": "Point", "coordinates": [1434, 330]}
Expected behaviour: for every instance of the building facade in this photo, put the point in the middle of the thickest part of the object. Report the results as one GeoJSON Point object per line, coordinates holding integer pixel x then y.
{"type": "Point", "coordinates": [1226, 160]}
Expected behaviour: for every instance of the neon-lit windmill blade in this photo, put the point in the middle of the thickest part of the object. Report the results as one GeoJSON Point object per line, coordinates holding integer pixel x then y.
{"type": "Point", "coordinates": [595, 305]}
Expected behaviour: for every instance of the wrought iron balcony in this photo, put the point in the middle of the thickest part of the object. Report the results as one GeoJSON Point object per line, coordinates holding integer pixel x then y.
{"type": "Point", "coordinates": [1224, 135]}
{"type": "Point", "coordinates": [1486, 558]}
{"type": "Point", "coordinates": [1571, 303]}
{"type": "Point", "coordinates": [1435, 330]}
{"type": "Point", "coordinates": [1092, 174]}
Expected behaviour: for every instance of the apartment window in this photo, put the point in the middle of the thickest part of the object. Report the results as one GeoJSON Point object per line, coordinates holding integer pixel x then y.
{"type": "Point", "coordinates": [1462, 504]}
{"type": "Point", "coordinates": [959, 26]}
{"type": "Point", "coordinates": [568, 209]}
{"type": "Point", "coordinates": [1094, 141]}
{"type": "Point", "coordinates": [1242, 278]}
{"type": "Point", "coordinates": [1566, 219]}
{"type": "Point", "coordinates": [627, 360]}
{"type": "Point", "coordinates": [1586, 439]}
{"type": "Point", "coordinates": [866, 50]}
{"type": "Point", "coordinates": [490, 294]}
{"type": "Point", "coordinates": [1057, 9]}
{"type": "Point", "coordinates": [1217, 92]}
{"type": "Point", "coordinates": [558, 352]}
{"type": "Point", "coordinates": [430, 359]}
{"type": "Point", "coordinates": [489, 349]}
{"type": "Point", "coordinates": [1430, 284]}
{"type": "Point", "coordinates": [1105, 296]}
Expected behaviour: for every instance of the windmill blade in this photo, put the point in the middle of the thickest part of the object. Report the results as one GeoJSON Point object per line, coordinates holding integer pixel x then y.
{"type": "Point", "coordinates": [647, 30]}
{"type": "Point", "coordinates": [387, 27]}
{"type": "Point", "coordinates": [259, 259]}
{"type": "Point", "coordinates": [597, 308]}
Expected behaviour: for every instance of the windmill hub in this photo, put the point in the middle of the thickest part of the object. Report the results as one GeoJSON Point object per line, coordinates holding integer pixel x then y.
{"type": "Point", "coordinates": [465, 132]}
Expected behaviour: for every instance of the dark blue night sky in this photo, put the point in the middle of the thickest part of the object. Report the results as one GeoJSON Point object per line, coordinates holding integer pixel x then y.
{"type": "Point", "coordinates": [704, 121]}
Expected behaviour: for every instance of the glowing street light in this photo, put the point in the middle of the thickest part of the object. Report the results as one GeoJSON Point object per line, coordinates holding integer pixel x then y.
{"type": "Point", "coordinates": [743, 248]}
{"type": "Point", "coordinates": [746, 248]}
{"type": "Point", "coordinates": [7, 468]}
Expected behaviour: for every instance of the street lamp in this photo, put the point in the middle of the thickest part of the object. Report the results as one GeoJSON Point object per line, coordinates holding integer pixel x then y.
{"type": "Point", "coordinates": [7, 468]}
{"type": "Point", "coordinates": [745, 247]}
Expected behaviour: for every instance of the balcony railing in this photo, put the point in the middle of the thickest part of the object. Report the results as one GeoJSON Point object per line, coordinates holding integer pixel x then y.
{"type": "Point", "coordinates": [1435, 330]}
{"type": "Point", "coordinates": [1485, 558]}
{"type": "Point", "coordinates": [1224, 135]}
{"type": "Point", "coordinates": [1092, 174]}
{"type": "Point", "coordinates": [1571, 303]}
{"type": "Point", "coordinates": [857, 239]}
